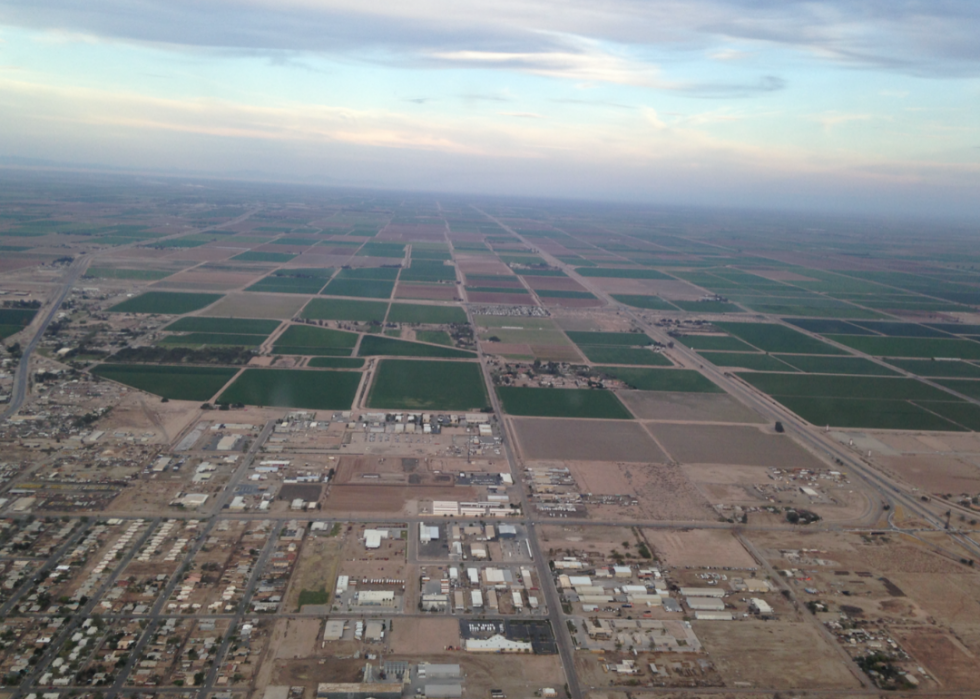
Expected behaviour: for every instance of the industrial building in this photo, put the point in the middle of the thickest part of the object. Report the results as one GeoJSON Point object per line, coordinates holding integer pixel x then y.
{"type": "Point", "coordinates": [428, 533]}
{"type": "Point", "coordinates": [375, 598]}
{"type": "Point", "coordinates": [497, 644]}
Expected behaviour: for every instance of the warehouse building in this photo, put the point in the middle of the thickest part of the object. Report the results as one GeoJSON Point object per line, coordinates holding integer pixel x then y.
{"type": "Point", "coordinates": [359, 690]}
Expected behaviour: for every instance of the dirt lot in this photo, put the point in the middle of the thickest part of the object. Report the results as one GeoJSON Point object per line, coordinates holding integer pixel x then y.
{"type": "Point", "coordinates": [255, 305]}
{"type": "Point", "coordinates": [316, 567]}
{"type": "Point", "coordinates": [556, 353]}
{"type": "Point", "coordinates": [592, 440]}
{"type": "Point", "coordinates": [296, 638]}
{"type": "Point", "coordinates": [723, 444]}
{"type": "Point", "coordinates": [600, 541]}
{"type": "Point", "coordinates": [944, 656]}
{"type": "Point", "coordinates": [396, 499]}
{"type": "Point", "coordinates": [699, 548]}
{"type": "Point", "coordinates": [935, 473]}
{"type": "Point", "coordinates": [142, 414]}
{"type": "Point", "coordinates": [507, 349]}
{"type": "Point", "coordinates": [687, 407]}
{"type": "Point", "coordinates": [767, 654]}
{"type": "Point", "coordinates": [423, 636]}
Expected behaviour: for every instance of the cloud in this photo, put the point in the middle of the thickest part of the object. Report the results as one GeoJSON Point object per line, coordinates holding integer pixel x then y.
{"type": "Point", "coordinates": [832, 120]}
{"type": "Point", "coordinates": [936, 38]}
{"type": "Point", "coordinates": [523, 115]}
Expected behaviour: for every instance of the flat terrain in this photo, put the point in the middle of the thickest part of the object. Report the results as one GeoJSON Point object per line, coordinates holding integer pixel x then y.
{"type": "Point", "coordinates": [319, 390]}
{"type": "Point", "coordinates": [593, 440]}
{"type": "Point", "coordinates": [731, 444]}
{"type": "Point", "coordinates": [427, 385]}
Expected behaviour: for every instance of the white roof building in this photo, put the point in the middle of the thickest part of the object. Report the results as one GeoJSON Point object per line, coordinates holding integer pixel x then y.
{"type": "Point", "coordinates": [496, 644]}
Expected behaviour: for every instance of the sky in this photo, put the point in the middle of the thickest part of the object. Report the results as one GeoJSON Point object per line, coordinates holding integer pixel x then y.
{"type": "Point", "coordinates": [868, 106]}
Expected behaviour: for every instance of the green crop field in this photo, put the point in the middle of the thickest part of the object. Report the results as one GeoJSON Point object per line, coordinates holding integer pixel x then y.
{"type": "Point", "coordinates": [604, 354]}
{"type": "Point", "coordinates": [289, 284]}
{"type": "Point", "coordinates": [679, 380]}
{"type": "Point", "coordinates": [363, 288]}
{"type": "Point", "coordinates": [707, 307]}
{"type": "Point", "coordinates": [755, 361]}
{"type": "Point", "coordinates": [541, 273]}
{"type": "Point", "coordinates": [292, 388]}
{"type": "Point", "coordinates": [912, 347]}
{"type": "Point", "coordinates": [964, 386]}
{"type": "Point", "coordinates": [424, 271]}
{"type": "Point", "coordinates": [770, 337]}
{"type": "Point", "coordinates": [420, 313]}
{"type": "Point", "coordinates": [892, 329]}
{"type": "Point", "coordinates": [611, 339]}
{"type": "Point", "coordinates": [311, 336]}
{"type": "Point", "coordinates": [621, 273]}
{"type": "Point", "coordinates": [148, 275]}
{"type": "Point", "coordinates": [813, 364]}
{"type": "Point", "coordinates": [435, 337]}
{"type": "Point", "coordinates": [172, 382]}
{"type": "Point", "coordinates": [246, 326]}
{"type": "Point", "coordinates": [562, 402]}
{"type": "Point", "coordinates": [421, 385]}
{"type": "Point", "coordinates": [932, 368]}
{"type": "Point", "coordinates": [373, 249]}
{"type": "Point", "coordinates": [342, 309]}
{"type": "Point", "coordinates": [374, 345]}
{"type": "Point", "coordinates": [965, 414]}
{"type": "Point", "coordinates": [165, 302]}
{"type": "Point", "coordinates": [201, 339]}
{"type": "Point", "coordinates": [722, 343]}
{"type": "Point", "coordinates": [653, 303]}
{"type": "Point", "coordinates": [383, 273]}
{"type": "Point", "coordinates": [868, 413]}
{"type": "Point", "coordinates": [17, 316]}
{"type": "Point", "coordinates": [866, 387]}
{"type": "Point", "coordinates": [825, 326]}
{"type": "Point", "coordinates": [253, 256]}
{"type": "Point", "coordinates": [335, 363]}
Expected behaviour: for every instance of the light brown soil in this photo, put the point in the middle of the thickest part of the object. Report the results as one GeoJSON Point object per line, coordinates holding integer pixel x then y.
{"type": "Point", "coordinates": [556, 353]}
{"type": "Point", "coordinates": [682, 407]}
{"type": "Point", "coordinates": [729, 444]}
{"type": "Point", "coordinates": [768, 654]}
{"type": "Point", "coordinates": [935, 473]}
{"type": "Point", "coordinates": [423, 636]}
{"type": "Point", "coordinates": [942, 655]}
{"type": "Point", "coordinates": [296, 638]}
{"type": "Point", "coordinates": [592, 440]}
{"type": "Point", "coordinates": [507, 348]}
{"type": "Point", "coordinates": [572, 303]}
{"type": "Point", "coordinates": [699, 548]}
{"type": "Point", "coordinates": [557, 283]}
{"type": "Point", "coordinates": [255, 305]}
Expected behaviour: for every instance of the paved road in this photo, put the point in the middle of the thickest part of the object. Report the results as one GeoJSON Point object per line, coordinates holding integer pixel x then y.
{"type": "Point", "coordinates": [566, 650]}
{"type": "Point", "coordinates": [22, 377]}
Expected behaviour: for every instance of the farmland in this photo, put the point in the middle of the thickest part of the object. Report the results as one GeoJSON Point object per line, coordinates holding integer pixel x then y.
{"type": "Point", "coordinates": [247, 326]}
{"type": "Point", "coordinates": [306, 339]}
{"type": "Point", "coordinates": [911, 347]}
{"type": "Point", "coordinates": [316, 390]}
{"type": "Point", "coordinates": [680, 380]}
{"type": "Point", "coordinates": [549, 402]}
{"type": "Point", "coordinates": [427, 385]}
{"type": "Point", "coordinates": [341, 309]}
{"type": "Point", "coordinates": [173, 382]}
{"type": "Point", "coordinates": [372, 345]}
{"type": "Point", "coordinates": [165, 302]}
{"type": "Point", "coordinates": [425, 314]}
{"type": "Point", "coordinates": [770, 337]}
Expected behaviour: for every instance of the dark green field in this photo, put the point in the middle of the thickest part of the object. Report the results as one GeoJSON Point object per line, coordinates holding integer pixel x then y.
{"type": "Point", "coordinates": [361, 288]}
{"type": "Point", "coordinates": [165, 302]}
{"type": "Point", "coordinates": [770, 337]}
{"type": "Point", "coordinates": [342, 309]}
{"type": "Point", "coordinates": [253, 256]}
{"type": "Point", "coordinates": [900, 329]}
{"type": "Point", "coordinates": [374, 345]}
{"type": "Point", "coordinates": [384, 273]}
{"type": "Point", "coordinates": [825, 326]}
{"type": "Point", "coordinates": [421, 385]}
{"type": "Point", "coordinates": [807, 385]}
{"type": "Point", "coordinates": [17, 317]}
{"type": "Point", "coordinates": [435, 337]}
{"type": "Point", "coordinates": [293, 388]}
{"type": "Point", "coordinates": [868, 413]}
{"type": "Point", "coordinates": [813, 364]}
{"type": "Point", "coordinates": [307, 339]}
{"type": "Point", "coordinates": [562, 402]}
{"type": "Point", "coordinates": [755, 361]}
{"type": "Point", "coordinates": [621, 273]}
{"type": "Point", "coordinates": [932, 368]}
{"type": "Point", "coordinates": [173, 382]}
{"type": "Point", "coordinates": [420, 313]}
{"type": "Point", "coordinates": [247, 326]}
{"type": "Point", "coordinates": [912, 347]}
{"type": "Point", "coordinates": [653, 303]}
{"type": "Point", "coordinates": [373, 249]}
{"type": "Point", "coordinates": [722, 343]}
{"type": "Point", "coordinates": [603, 354]}
{"type": "Point", "coordinates": [558, 294]}
{"type": "Point", "coordinates": [679, 380]}
{"type": "Point", "coordinates": [201, 339]}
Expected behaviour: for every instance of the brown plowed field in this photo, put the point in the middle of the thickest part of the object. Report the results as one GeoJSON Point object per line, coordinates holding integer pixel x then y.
{"type": "Point", "coordinates": [694, 407]}
{"type": "Point", "coordinates": [731, 444]}
{"type": "Point", "coordinates": [489, 297]}
{"type": "Point", "coordinates": [592, 440]}
{"type": "Point", "coordinates": [557, 283]}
